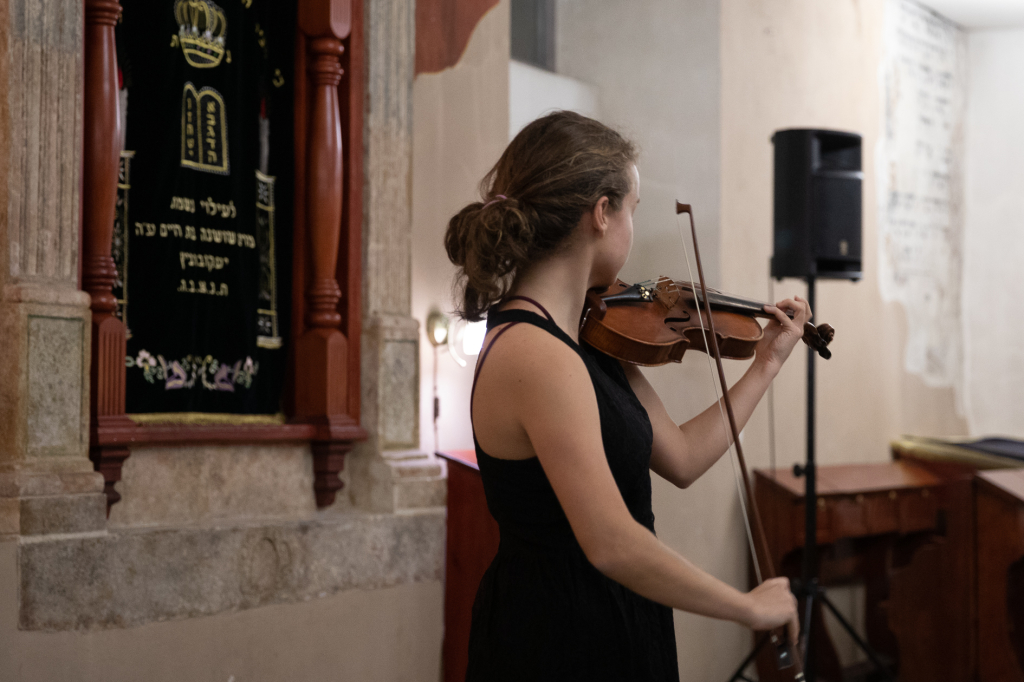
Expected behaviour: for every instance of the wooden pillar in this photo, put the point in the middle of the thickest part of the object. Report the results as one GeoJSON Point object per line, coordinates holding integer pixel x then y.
{"type": "Point", "coordinates": [101, 151]}
{"type": "Point", "coordinates": [322, 350]}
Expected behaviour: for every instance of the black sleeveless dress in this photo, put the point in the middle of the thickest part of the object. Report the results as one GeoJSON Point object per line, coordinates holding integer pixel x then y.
{"type": "Point", "coordinates": [543, 612]}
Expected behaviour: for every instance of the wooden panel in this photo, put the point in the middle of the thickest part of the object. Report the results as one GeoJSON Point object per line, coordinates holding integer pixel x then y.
{"type": "Point", "coordinates": [465, 457]}
{"type": "Point", "coordinates": [1000, 534]}
{"type": "Point", "coordinates": [854, 501]}
{"type": "Point", "coordinates": [350, 256]}
{"type": "Point", "coordinates": [873, 519]}
{"type": "Point", "coordinates": [930, 608]}
{"type": "Point", "coordinates": [315, 302]}
{"type": "Point", "coordinates": [443, 29]}
{"type": "Point", "coordinates": [100, 156]}
{"type": "Point", "coordinates": [850, 479]}
{"type": "Point", "coordinates": [472, 543]}
{"type": "Point", "coordinates": [957, 561]}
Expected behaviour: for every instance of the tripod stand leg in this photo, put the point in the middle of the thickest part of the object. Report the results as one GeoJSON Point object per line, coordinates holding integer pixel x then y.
{"type": "Point", "coordinates": [738, 675]}
{"type": "Point", "coordinates": [805, 636]}
{"type": "Point", "coordinates": [865, 647]}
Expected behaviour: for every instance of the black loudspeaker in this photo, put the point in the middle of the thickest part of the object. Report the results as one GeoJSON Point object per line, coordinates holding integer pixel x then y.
{"type": "Point", "coordinates": [817, 204]}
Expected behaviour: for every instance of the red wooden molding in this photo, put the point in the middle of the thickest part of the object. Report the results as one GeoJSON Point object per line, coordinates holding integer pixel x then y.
{"type": "Point", "coordinates": [350, 259]}
{"type": "Point", "coordinates": [443, 29]}
{"type": "Point", "coordinates": [100, 153]}
{"type": "Point", "coordinates": [328, 461]}
{"type": "Point", "coordinates": [108, 460]}
{"type": "Point", "coordinates": [329, 18]}
{"type": "Point", "coordinates": [322, 350]}
{"type": "Point", "coordinates": [327, 236]}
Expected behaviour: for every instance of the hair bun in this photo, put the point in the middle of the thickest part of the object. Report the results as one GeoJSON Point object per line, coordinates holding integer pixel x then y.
{"type": "Point", "coordinates": [555, 169]}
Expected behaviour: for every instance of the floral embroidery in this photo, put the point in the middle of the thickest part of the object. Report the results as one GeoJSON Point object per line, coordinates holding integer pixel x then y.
{"type": "Point", "coordinates": [212, 374]}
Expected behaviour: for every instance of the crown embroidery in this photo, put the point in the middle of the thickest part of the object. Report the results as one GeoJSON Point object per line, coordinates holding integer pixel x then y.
{"type": "Point", "coordinates": [201, 30]}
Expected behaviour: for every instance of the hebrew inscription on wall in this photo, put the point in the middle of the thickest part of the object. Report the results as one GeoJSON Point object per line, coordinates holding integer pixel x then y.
{"type": "Point", "coordinates": [920, 158]}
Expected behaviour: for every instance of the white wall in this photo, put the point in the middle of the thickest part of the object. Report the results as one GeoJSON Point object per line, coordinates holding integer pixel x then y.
{"type": "Point", "coordinates": [656, 66]}
{"type": "Point", "coordinates": [534, 92]}
{"type": "Point", "coordinates": [919, 159]}
{"type": "Point", "coordinates": [994, 234]}
{"type": "Point", "coordinates": [460, 128]}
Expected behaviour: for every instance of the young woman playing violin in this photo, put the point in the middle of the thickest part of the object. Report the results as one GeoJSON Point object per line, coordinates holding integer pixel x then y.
{"type": "Point", "coordinates": [566, 437]}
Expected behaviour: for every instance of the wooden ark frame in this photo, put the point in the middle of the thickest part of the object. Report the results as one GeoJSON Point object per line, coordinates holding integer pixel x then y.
{"type": "Point", "coordinates": [321, 393]}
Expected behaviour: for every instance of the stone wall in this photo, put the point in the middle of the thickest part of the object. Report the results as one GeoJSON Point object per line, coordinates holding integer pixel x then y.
{"type": "Point", "coordinates": [389, 472]}
{"type": "Point", "coordinates": [355, 635]}
{"type": "Point", "coordinates": [46, 480]}
{"type": "Point", "coordinates": [223, 542]}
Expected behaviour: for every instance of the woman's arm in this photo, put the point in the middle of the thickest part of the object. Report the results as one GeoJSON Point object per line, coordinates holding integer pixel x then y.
{"type": "Point", "coordinates": [681, 454]}
{"type": "Point", "coordinates": [548, 391]}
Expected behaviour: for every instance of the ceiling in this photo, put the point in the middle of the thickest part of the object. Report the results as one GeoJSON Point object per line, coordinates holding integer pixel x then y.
{"type": "Point", "coordinates": [981, 14]}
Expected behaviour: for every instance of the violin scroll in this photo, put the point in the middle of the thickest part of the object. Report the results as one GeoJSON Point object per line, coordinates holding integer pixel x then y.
{"type": "Point", "coordinates": [819, 337]}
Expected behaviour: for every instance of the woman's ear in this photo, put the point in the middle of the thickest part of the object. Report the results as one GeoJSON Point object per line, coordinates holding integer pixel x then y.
{"type": "Point", "coordinates": [599, 215]}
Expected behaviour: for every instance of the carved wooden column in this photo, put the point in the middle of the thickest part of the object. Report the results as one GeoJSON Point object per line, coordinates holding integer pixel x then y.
{"type": "Point", "coordinates": [101, 150]}
{"type": "Point", "coordinates": [322, 349]}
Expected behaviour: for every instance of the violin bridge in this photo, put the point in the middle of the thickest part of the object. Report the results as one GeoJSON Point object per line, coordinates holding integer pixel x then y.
{"type": "Point", "coordinates": [667, 292]}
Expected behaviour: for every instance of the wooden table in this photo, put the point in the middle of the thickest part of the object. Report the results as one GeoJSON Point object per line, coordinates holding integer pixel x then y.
{"type": "Point", "coordinates": [944, 576]}
{"type": "Point", "coordinates": [853, 501]}
{"type": "Point", "coordinates": [999, 515]}
{"type": "Point", "coordinates": [471, 545]}
{"type": "Point", "coordinates": [872, 518]}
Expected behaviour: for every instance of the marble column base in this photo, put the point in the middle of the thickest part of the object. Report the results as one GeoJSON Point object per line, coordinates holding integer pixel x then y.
{"type": "Point", "coordinates": [36, 503]}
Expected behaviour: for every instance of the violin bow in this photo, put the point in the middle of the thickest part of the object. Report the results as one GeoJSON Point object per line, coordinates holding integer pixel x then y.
{"type": "Point", "coordinates": [785, 656]}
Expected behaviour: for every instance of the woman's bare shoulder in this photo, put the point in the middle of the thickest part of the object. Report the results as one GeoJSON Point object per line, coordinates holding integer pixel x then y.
{"type": "Point", "coordinates": [526, 353]}
{"type": "Point", "coordinates": [528, 377]}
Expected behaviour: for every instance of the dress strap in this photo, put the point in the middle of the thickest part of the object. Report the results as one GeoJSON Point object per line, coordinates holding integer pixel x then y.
{"type": "Point", "coordinates": [532, 302]}
{"type": "Point", "coordinates": [511, 318]}
{"type": "Point", "coordinates": [483, 358]}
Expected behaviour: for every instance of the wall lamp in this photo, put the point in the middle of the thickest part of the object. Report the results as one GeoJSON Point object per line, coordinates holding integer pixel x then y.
{"type": "Point", "coordinates": [464, 339]}
{"type": "Point", "coordinates": [437, 328]}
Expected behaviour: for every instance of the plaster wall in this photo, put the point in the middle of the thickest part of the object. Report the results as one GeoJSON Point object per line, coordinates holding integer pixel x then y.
{"type": "Point", "coordinates": [808, 64]}
{"type": "Point", "coordinates": [534, 92]}
{"type": "Point", "coordinates": [994, 234]}
{"type": "Point", "coordinates": [382, 635]}
{"type": "Point", "coordinates": [803, 63]}
{"type": "Point", "coordinates": [460, 128]}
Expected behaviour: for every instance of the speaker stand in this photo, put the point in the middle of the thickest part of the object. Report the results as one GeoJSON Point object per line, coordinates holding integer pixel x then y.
{"type": "Point", "coordinates": [807, 587]}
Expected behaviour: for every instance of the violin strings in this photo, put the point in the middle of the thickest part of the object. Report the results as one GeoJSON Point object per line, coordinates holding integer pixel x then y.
{"type": "Point", "coordinates": [771, 393]}
{"type": "Point", "coordinates": [721, 409]}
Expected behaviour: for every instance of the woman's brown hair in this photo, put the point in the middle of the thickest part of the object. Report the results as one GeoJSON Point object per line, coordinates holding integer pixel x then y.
{"type": "Point", "coordinates": [557, 168]}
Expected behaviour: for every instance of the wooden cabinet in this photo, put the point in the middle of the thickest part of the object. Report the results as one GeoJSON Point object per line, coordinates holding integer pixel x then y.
{"type": "Point", "coordinates": [471, 546]}
{"type": "Point", "coordinates": [939, 548]}
{"type": "Point", "coordinates": [872, 521]}
{"type": "Point", "coordinates": [999, 529]}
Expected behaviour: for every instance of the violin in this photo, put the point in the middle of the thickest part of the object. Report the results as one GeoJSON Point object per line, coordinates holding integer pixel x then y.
{"type": "Point", "coordinates": [653, 323]}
